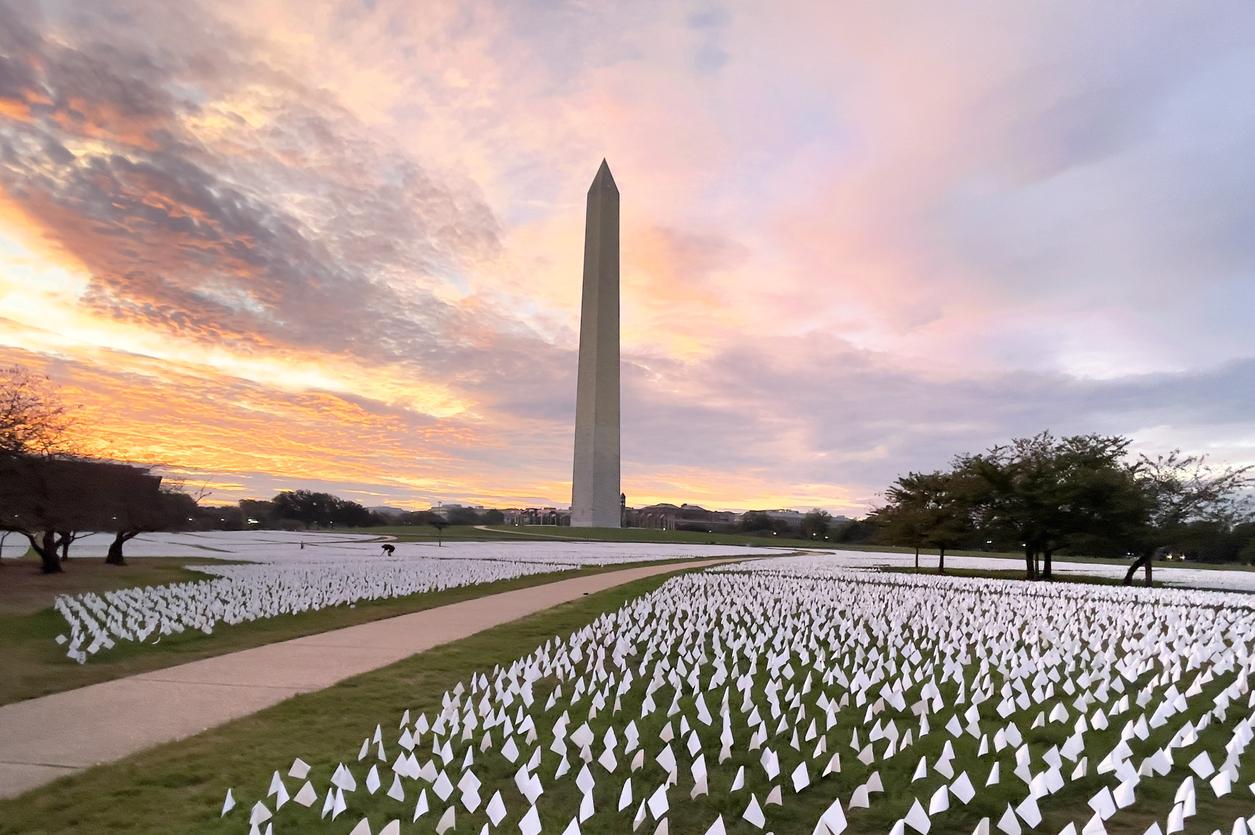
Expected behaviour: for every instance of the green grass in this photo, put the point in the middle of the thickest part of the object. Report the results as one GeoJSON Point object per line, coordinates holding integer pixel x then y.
{"type": "Point", "coordinates": [35, 665]}
{"type": "Point", "coordinates": [179, 787]}
{"type": "Point", "coordinates": [24, 589]}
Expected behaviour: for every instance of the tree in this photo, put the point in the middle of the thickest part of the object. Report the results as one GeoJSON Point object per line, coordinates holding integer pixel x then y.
{"type": "Point", "coordinates": [419, 517]}
{"type": "Point", "coordinates": [754, 521]}
{"type": "Point", "coordinates": [321, 510]}
{"type": "Point", "coordinates": [257, 512]}
{"type": "Point", "coordinates": [67, 538]}
{"type": "Point", "coordinates": [439, 523]}
{"type": "Point", "coordinates": [815, 523]}
{"type": "Point", "coordinates": [854, 531]}
{"type": "Point", "coordinates": [761, 521]}
{"type": "Point", "coordinates": [929, 509]}
{"type": "Point", "coordinates": [33, 420]}
{"type": "Point", "coordinates": [43, 497]}
{"type": "Point", "coordinates": [463, 516]}
{"type": "Point", "coordinates": [1180, 490]}
{"type": "Point", "coordinates": [1043, 492]}
{"type": "Point", "coordinates": [145, 508]}
{"type": "Point", "coordinates": [304, 506]}
{"type": "Point", "coordinates": [34, 430]}
{"type": "Point", "coordinates": [903, 521]}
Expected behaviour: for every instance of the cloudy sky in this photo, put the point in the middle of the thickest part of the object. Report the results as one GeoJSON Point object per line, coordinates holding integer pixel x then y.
{"type": "Point", "coordinates": [338, 245]}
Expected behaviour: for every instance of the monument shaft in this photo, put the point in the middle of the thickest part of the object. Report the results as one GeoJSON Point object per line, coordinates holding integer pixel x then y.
{"type": "Point", "coordinates": [595, 478]}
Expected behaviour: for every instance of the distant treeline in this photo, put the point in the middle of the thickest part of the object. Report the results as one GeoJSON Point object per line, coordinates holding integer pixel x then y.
{"type": "Point", "coordinates": [304, 509]}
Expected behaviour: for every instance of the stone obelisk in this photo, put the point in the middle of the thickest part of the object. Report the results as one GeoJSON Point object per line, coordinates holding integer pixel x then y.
{"type": "Point", "coordinates": [595, 478]}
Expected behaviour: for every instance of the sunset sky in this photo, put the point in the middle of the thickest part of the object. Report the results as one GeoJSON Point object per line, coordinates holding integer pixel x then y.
{"type": "Point", "coordinates": [272, 245]}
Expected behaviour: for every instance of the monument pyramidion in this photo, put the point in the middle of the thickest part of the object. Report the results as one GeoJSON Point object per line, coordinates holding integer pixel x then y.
{"type": "Point", "coordinates": [595, 499]}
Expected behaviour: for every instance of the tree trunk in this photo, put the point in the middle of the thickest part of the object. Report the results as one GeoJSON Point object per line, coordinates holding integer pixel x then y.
{"type": "Point", "coordinates": [941, 560]}
{"type": "Point", "coordinates": [1045, 566]}
{"type": "Point", "coordinates": [114, 556]}
{"type": "Point", "coordinates": [47, 551]}
{"type": "Point", "coordinates": [63, 542]}
{"type": "Point", "coordinates": [1030, 563]}
{"type": "Point", "coordinates": [917, 558]}
{"type": "Point", "coordinates": [1143, 560]}
{"type": "Point", "coordinates": [1149, 579]}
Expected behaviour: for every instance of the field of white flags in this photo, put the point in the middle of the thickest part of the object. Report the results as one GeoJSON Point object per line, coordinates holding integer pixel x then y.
{"type": "Point", "coordinates": [284, 573]}
{"type": "Point", "coordinates": [307, 546]}
{"type": "Point", "coordinates": [791, 696]}
{"type": "Point", "coordinates": [243, 593]}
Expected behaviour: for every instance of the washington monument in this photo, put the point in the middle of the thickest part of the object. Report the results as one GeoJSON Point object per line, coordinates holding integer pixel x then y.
{"type": "Point", "coordinates": [595, 479]}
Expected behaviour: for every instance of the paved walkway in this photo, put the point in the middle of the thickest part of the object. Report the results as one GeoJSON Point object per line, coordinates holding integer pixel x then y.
{"type": "Point", "coordinates": [46, 738]}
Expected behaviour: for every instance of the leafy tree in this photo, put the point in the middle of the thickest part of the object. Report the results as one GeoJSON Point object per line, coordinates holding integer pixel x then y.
{"type": "Point", "coordinates": [143, 509]}
{"type": "Point", "coordinates": [1180, 491]}
{"type": "Point", "coordinates": [903, 521]}
{"type": "Point", "coordinates": [419, 517]}
{"type": "Point", "coordinates": [761, 522]}
{"type": "Point", "coordinates": [305, 506]}
{"type": "Point", "coordinates": [46, 497]}
{"type": "Point", "coordinates": [816, 523]}
{"type": "Point", "coordinates": [463, 516]}
{"type": "Point", "coordinates": [1078, 492]}
{"type": "Point", "coordinates": [755, 521]}
{"type": "Point", "coordinates": [321, 509]}
{"type": "Point", "coordinates": [1044, 492]}
{"type": "Point", "coordinates": [854, 531]}
{"type": "Point", "coordinates": [929, 509]}
{"type": "Point", "coordinates": [257, 512]}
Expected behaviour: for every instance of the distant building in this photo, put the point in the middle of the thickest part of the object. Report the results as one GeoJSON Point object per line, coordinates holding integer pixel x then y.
{"type": "Point", "coordinates": [784, 515]}
{"type": "Point", "coordinates": [443, 510]}
{"type": "Point", "coordinates": [537, 516]}
{"type": "Point", "coordinates": [686, 517]}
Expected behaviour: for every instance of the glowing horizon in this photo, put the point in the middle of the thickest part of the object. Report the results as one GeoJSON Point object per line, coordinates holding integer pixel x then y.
{"type": "Point", "coordinates": [338, 245]}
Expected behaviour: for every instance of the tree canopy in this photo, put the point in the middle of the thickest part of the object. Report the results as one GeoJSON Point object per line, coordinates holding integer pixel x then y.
{"type": "Point", "coordinates": [321, 510]}
{"type": "Point", "coordinates": [1044, 494]}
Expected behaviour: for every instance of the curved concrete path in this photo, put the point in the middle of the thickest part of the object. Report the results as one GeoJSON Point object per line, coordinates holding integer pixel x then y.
{"type": "Point", "coordinates": [46, 738]}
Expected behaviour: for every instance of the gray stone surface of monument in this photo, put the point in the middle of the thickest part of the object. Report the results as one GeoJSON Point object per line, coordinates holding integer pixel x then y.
{"type": "Point", "coordinates": [595, 475]}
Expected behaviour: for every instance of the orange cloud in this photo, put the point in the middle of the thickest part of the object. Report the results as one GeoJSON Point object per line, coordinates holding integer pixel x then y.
{"type": "Point", "coordinates": [315, 244]}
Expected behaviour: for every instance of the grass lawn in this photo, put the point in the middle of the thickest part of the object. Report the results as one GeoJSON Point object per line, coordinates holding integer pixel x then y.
{"type": "Point", "coordinates": [34, 665]}
{"type": "Point", "coordinates": [179, 787]}
{"type": "Point", "coordinates": [25, 590]}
